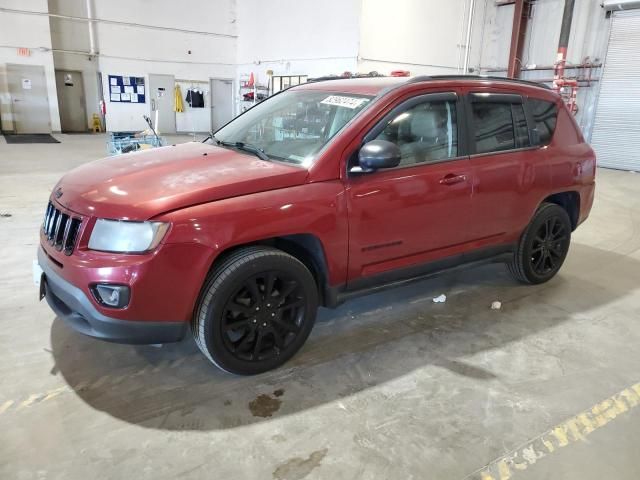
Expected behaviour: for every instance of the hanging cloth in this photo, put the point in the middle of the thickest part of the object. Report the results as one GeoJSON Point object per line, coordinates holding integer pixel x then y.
{"type": "Point", "coordinates": [177, 100]}
{"type": "Point", "coordinates": [195, 99]}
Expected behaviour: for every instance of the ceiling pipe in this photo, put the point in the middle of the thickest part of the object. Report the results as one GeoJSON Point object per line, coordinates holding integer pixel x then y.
{"type": "Point", "coordinates": [91, 25]}
{"type": "Point", "coordinates": [472, 5]}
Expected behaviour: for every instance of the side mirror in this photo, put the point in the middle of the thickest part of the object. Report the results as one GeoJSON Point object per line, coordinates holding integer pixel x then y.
{"type": "Point", "coordinates": [378, 154]}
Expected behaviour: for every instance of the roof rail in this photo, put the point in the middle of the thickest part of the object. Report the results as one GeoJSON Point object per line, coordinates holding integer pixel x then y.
{"type": "Point", "coordinates": [424, 78]}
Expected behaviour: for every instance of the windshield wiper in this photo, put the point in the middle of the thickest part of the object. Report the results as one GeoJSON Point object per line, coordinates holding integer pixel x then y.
{"type": "Point", "coordinates": [210, 137]}
{"type": "Point", "coordinates": [247, 147]}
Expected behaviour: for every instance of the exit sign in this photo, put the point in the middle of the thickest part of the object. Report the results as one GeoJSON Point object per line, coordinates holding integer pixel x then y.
{"type": "Point", "coordinates": [24, 52]}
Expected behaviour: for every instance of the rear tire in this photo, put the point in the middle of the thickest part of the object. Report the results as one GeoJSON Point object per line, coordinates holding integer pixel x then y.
{"type": "Point", "coordinates": [543, 246]}
{"type": "Point", "coordinates": [256, 310]}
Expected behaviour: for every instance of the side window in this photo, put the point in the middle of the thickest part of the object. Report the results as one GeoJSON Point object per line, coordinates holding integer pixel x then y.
{"type": "Point", "coordinates": [425, 133]}
{"type": "Point", "coordinates": [520, 121]}
{"type": "Point", "coordinates": [493, 123]}
{"type": "Point", "coordinates": [545, 115]}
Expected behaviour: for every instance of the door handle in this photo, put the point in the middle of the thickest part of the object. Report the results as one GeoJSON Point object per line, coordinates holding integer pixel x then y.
{"type": "Point", "coordinates": [452, 179]}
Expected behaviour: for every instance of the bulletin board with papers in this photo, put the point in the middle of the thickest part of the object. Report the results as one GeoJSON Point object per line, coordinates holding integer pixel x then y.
{"type": "Point", "coordinates": [126, 89]}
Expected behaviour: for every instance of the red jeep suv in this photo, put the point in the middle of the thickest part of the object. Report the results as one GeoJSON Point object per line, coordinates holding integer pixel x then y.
{"type": "Point", "coordinates": [321, 192]}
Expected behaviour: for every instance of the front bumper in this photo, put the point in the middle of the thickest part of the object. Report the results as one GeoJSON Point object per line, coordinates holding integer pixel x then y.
{"type": "Point", "coordinates": [72, 305]}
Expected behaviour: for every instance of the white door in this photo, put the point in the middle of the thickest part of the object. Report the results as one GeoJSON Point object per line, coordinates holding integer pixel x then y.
{"type": "Point", "coordinates": [616, 129]}
{"type": "Point", "coordinates": [161, 93]}
{"type": "Point", "coordinates": [221, 102]}
{"type": "Point", "coordinates": [29, 99]}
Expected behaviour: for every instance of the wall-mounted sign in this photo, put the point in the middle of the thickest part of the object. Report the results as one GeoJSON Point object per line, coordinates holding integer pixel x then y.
{"type": "Point", "coordinates": [68, 79]}
{"type": "Point", "coordinates": [26, 84]}
{"type": "Point", "coordinates": [24, 52]}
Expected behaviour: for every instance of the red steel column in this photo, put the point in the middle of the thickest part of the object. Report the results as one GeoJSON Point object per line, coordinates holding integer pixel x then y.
{"type": "Point", "coordinates": [518, 32]}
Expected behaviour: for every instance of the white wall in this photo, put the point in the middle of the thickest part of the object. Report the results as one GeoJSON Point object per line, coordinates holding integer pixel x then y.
{"type": "Point", "coordinates": [191, 41]}
{"type": "Point", "coordinates": [69, 37]}
{"type": "Point", "coordinates": [588, 34]}
{"type": "Point", "coordinates": [297, 37]}
{"type": "Point", "coordinates": [588, 41]}
{"type": "Point", "coordinates": [137, 51]}
{"type": "Point", "coordinates": [28, 31]}
{"type": "Point", "coordinates": [422, 36]}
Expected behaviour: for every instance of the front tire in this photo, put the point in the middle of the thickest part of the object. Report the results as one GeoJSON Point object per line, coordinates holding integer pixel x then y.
{"type": "Point", "coordinates": [543, 246]}
{"type": "Point", "coordinates": [256, 310]}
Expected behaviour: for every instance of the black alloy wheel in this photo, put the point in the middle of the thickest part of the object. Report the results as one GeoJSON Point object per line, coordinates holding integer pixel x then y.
{"type": "Point", "coordinates": [264, 316]}
{"type": "Point", "coordinates": [255, 311]}
{"type": "Point", "coordinates": [549, 246]}
{"type": "Point", "coordinates": [543, 246]}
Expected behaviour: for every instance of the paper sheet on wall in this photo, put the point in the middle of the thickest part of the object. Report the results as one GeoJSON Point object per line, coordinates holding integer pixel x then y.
{"type": "Point", "coordinates": [115, 97]}
{"type": "Point", "coordinates": [124, 97]}
{"type": "Point", "coordinates": [128, 89]}
{"type": "Point", "coordinates": [134, 98]}
{"type": "Point", "coordinates": [126, 80]}
{"type": "Point", "coordinates": [140, 89]}
{"type": "Point", "coordinates": [114, 81]}
{"type": "Point", "coordinates": [115, 89]}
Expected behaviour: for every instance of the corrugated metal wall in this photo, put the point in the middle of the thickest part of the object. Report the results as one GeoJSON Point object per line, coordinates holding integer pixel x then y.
{"type": "Point", "coordinates": [616, 130]}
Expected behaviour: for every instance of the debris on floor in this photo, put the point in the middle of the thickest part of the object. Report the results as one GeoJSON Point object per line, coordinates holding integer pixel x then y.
{"type": "Point", "coordinates": [496, 305]}
{"type": "Point", "coordinates": [440, 298]}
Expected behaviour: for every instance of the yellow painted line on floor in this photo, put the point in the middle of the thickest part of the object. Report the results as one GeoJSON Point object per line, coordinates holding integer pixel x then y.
{"type": "Point", "coordinates": [571, 431]}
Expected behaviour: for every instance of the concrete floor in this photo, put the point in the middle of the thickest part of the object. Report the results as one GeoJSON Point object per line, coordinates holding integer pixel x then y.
{"type": "Point", "coordinates": [388, 386]}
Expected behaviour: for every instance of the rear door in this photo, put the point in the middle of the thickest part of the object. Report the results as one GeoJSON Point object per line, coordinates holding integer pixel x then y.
{"type": "Point", "coordinates": [510, 174]}
{"type": "Point", "coordinates": [419, 211]}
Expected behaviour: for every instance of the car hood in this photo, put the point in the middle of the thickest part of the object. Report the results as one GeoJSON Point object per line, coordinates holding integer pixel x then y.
{"type": "Point", "coordinates": [141, 185]}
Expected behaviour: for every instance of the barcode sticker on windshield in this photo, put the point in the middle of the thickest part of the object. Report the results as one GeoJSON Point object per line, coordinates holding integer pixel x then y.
{"type": "Point", "coordinates": [348, 102]}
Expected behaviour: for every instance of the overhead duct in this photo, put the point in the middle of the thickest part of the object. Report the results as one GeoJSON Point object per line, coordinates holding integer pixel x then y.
{"type": "Point", "coordinates": [620, 4]}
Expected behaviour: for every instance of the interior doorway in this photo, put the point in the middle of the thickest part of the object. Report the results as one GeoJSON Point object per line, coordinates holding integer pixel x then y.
{"type": "Point", "coordinates": [161, 88]}
{"type": "Point", "coordinates": [71, 101]}
{"type": "Point", "coordinates": [221, 102]}
{"type": "Point", "coordinates": [29, 99]}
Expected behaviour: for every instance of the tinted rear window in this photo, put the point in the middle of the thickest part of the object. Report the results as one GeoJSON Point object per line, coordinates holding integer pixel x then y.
{"type": "Point", "coordinates": [544, 115]}
{"type": "Point", "coordinates": [493, 126]}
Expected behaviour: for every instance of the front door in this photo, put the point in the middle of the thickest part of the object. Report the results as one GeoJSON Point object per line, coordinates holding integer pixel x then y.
{"type": "Point", "coordinates": [29, 99]}
{"type": "Point", "coordinates": [221, 103]}
{"type": "Point", "coordinates": [161, 91]}
{"type": "Point", "coordinates": [419, 211]}
{"type": "Point", "coordinates": [71, 101]}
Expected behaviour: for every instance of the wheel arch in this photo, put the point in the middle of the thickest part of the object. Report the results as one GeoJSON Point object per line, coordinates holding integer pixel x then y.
{"type": "Point", "coordinates": [305, 247]}
{"type": "Point", "coordinates": [570, 201]}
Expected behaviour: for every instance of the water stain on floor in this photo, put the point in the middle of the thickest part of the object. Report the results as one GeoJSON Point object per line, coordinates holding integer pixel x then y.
{"type": "Point", "coordinates": [298, 468]}
{"type": "Point", "coordinates": [266, 405]}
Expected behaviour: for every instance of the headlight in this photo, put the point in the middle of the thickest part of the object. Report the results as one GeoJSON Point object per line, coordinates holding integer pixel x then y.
{"type": "Point", "coordinates": [125, 236]}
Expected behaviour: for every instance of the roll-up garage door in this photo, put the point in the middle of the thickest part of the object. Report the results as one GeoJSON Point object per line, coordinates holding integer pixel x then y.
{"type": "Point", "coordinates": [616, 130]}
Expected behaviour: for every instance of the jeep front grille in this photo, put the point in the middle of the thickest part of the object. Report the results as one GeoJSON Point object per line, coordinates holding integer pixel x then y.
{"type": "Point", "coordinates": [61, 229]}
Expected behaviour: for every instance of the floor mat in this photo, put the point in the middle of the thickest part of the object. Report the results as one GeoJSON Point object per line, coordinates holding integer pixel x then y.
{"type": "Point", "coordinates": [30, 138]}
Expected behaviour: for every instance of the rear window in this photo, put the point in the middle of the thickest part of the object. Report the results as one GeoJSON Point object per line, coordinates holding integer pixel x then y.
{"type": "Point", "coordinates": [493, 127]}
{"type": "Point", "coordinates": [545, 115]}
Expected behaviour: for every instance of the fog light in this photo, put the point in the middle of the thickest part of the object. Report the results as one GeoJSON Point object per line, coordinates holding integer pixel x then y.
{"type": "Point", "coordinates": [115, 296]}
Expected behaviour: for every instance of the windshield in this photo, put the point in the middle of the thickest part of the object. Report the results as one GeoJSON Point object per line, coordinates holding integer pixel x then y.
{"type": "Point", "coordinates": [293, 126]}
